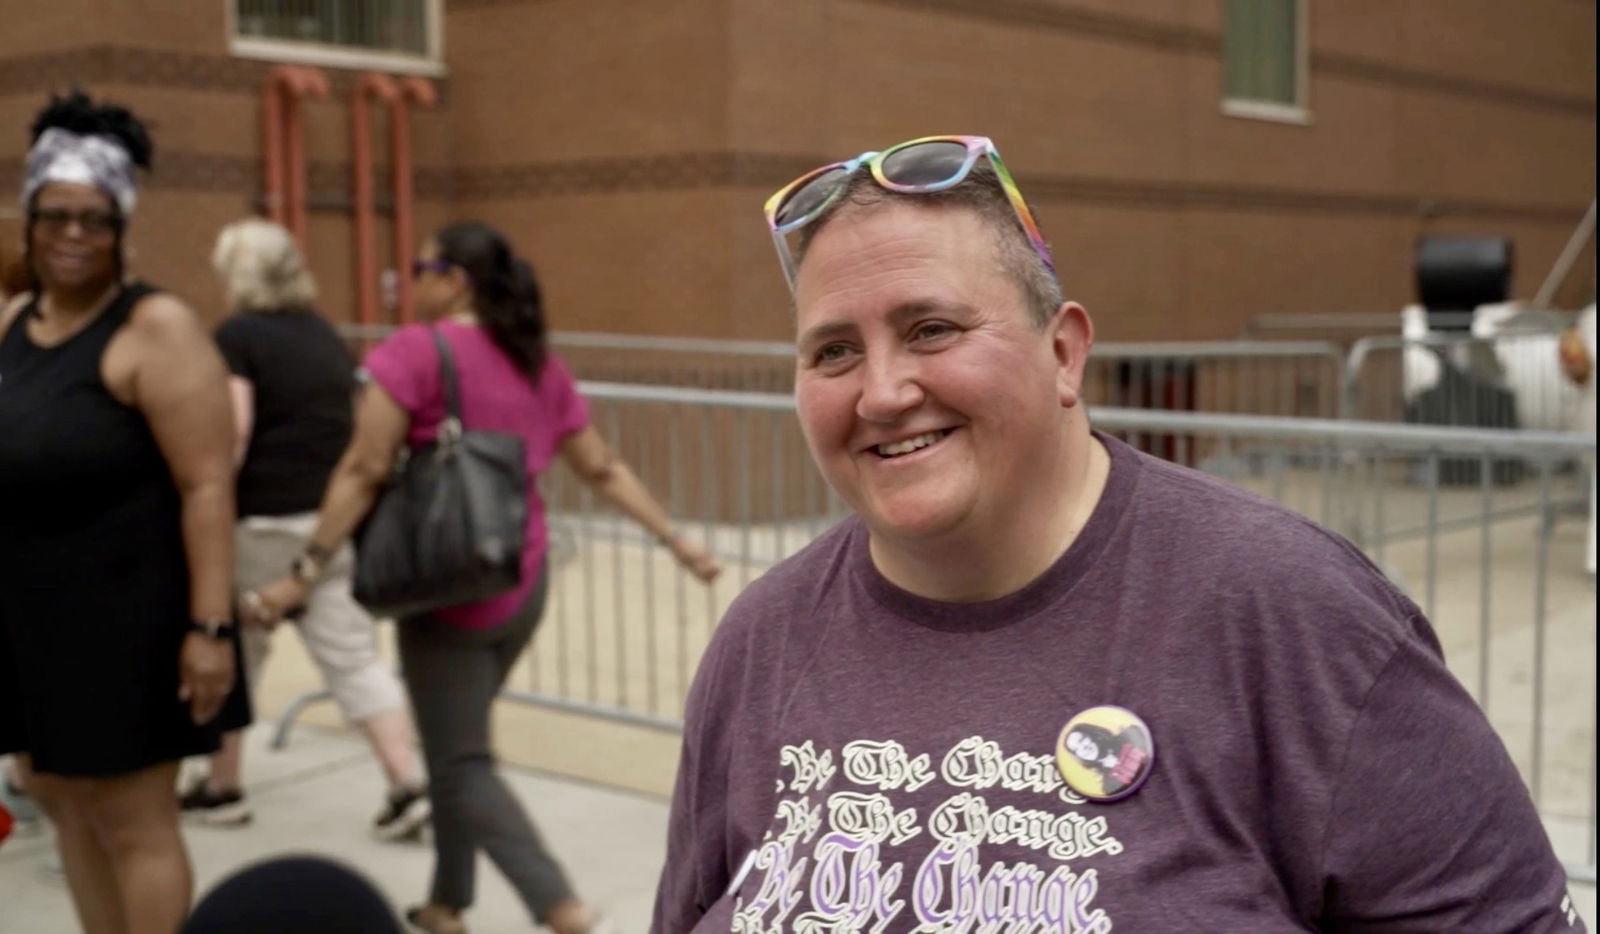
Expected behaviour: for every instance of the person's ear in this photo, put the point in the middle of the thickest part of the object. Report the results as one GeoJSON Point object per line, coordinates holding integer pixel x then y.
{"type": "Point", "coordinates": [1071, 337]}
{"type": "Point", "coordinates": [460, 282]}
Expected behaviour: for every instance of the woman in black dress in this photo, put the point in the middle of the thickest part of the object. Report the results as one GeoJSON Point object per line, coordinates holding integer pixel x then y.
{"type": "Point", "coordinates": [117, 651]}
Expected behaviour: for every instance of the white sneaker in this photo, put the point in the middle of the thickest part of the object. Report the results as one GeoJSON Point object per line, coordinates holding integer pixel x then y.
{"type": "Point", "coordinates": [202, 805]}
{"type": "Point", "coordinates": [404, 816]}
{"type": "Point", "coordinates": [49, 869]}
{"type": "Point", "coordinates": [25, 818]}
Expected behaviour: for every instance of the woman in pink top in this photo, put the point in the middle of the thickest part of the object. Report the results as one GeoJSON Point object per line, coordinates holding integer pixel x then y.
{"type": "Point", "coordinates": [473, 289]}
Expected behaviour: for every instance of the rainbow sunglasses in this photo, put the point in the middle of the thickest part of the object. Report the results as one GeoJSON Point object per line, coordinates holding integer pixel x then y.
{"type": "Point", "coordinates": [918, 166]}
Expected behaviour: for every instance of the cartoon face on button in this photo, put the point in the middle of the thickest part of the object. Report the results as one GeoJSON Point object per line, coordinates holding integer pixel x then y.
{"type": "Point", "coordinates": [1105, 753]}
{"type": "Point", "coordinates": [1081, 743]}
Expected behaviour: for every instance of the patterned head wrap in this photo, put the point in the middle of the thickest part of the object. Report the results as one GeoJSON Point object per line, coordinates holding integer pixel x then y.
{"type": "Point", "coordinates": [64, 156]}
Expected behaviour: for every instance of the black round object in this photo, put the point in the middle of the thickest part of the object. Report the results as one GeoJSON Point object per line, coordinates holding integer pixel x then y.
{"type": "Point", "coordinates": [304, 894]}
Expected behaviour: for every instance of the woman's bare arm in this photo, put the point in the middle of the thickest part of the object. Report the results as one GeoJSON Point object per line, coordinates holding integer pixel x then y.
{"type": "Point", "coordinates": [592, 459]}
{"type": "Point", "coordinates": [9, 310]}
{"type": "Point", "coordinates": [176, 379]}
{"type": "Point", "coordinates": [380, 429]}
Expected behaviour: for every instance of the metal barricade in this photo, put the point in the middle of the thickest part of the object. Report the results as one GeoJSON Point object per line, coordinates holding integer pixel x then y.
{"type": "Point", "coordinates": [1512, 378]}
{"type": "Point", "coordinates": [1495, 564]}
{"type": "Point", "coordinates": [1283, 378]}
{"type": "Point", "coordinates": [1291, 378]}
{"type": "Point", "coordinates": [1298, 378]}
{"type": "Point", "coordinates": [1492, 562]}
{"type": "Point", "coordinates": [1500, 576]}
{"type": "Point", "coordinates": [625, 626]}
{"type": "Point", "coordinates": [740, 366]}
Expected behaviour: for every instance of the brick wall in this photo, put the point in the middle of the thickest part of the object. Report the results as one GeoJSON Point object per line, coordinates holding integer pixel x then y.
{"type": "Point", "coordinates": [627, 147]}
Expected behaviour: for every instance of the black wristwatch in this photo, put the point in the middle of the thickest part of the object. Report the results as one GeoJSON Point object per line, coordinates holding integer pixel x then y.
{"type": "Point", "coordinates": [219, 630]}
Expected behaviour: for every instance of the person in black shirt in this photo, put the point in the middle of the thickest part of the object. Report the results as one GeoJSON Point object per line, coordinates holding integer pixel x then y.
{"type": "Point", "coordinates": [117, 650]}
{"type": "Point", "coordinates": [292, 383]}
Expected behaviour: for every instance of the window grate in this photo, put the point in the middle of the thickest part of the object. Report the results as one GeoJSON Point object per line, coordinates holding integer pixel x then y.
{"type": "Point", "coordinates": [1264, 52]}
{"type": "Point", "coordinates": [391, 26]}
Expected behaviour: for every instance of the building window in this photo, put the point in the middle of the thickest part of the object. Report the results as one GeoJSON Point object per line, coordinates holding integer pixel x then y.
{"type": "Point", "coordinates": [394, 35]}
{"type": "Point", "coordinates": [1264, 59]}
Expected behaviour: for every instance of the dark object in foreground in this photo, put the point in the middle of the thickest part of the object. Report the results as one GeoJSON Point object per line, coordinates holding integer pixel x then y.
{"type": "Point", "coordinates": [304, 894]}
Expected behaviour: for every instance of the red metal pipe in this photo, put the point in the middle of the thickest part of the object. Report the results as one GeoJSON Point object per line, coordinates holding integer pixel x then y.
{"type": "Point", "coordinates": [294, 169]}
{"type": "Point", "coordinates": [272, 96]}
{"type": "Point", "coordinates": [283, 140]}
{"type": "Point", "coordinates": [380, 86]}
{"type": "Point", "coordinates": [420, 91]}
{"type": "Point", "coordinates": [313, 84]}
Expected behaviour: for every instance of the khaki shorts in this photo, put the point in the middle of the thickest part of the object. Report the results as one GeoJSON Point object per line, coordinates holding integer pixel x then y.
{"type": "Point", "coordinates": [338, 633]}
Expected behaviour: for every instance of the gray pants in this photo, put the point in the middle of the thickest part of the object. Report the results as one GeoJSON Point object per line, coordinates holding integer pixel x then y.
{"type": "Point", "coordinates": [453, 676]}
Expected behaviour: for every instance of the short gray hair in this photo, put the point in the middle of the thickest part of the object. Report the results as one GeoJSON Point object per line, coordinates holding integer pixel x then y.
{"type": "Point", "coordinates": [262, 267]}
{"type": "Point", "coordinates": [981, 193]}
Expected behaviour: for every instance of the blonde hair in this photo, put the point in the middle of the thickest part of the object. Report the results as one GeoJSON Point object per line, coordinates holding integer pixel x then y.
{"type": "Point", "coordinates": [262, 267]}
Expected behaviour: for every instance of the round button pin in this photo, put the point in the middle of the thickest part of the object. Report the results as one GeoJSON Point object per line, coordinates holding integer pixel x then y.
{"type": "Point", "coordinates": [1105, 753]}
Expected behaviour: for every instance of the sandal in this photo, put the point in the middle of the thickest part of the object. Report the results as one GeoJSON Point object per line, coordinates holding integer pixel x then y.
{"type": "Point", "coordinates": [414, 917]}
{"type": "Point", "coordinates": [598, 923]}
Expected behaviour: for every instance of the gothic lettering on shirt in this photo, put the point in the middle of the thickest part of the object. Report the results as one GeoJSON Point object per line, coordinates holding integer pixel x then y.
{"type": "Point", "coordinates": [866, 855]}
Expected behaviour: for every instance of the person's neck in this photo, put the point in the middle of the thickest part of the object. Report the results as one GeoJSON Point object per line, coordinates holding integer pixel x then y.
{"type": "Point", "coordinates": [62, 307]}
{"type": "Point", "coordinates": [988, 563]}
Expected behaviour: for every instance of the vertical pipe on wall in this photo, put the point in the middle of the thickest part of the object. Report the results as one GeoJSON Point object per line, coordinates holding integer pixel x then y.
{"type": "Point", "coordinates": [283, 140]}
{"type": "Point", "coordinates": [369, 85]}
{"type": "Point", "coordinates": [272, 95]}
{"type": "Point", "coordinates": [313, 84]}
{"type": "Point", "coordinates": [294, 169]}
{"type": "Point", "coordinates": [419, 91]}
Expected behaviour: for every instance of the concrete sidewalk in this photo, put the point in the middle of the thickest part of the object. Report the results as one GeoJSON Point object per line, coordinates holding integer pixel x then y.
{"type": "Point", "coordinates": [319, 794]}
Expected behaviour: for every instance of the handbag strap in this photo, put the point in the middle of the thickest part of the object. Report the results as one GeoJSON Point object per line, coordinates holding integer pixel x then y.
{"type": "Point", "coordinates": [450, 428]}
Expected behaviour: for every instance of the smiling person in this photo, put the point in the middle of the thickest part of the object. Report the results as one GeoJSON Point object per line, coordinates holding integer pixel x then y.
{"type": "Point", "coordinates": [1041, 681]}
{"type": "Point", "coordinates": [117, 648]}
{"type": "Point", "coordinates": [473, 292]}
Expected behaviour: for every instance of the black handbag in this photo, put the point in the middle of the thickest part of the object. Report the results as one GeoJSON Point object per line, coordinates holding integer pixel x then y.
{"type": "Point", "coordinates": [448, 527]}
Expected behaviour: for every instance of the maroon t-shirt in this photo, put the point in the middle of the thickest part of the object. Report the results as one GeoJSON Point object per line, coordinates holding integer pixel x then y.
{"type": "Point", "coordinates": [861, 759]}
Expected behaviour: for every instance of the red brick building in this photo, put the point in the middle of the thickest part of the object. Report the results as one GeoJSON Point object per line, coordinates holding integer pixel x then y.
{"type": "Point", "coordinates": [1194, 162]}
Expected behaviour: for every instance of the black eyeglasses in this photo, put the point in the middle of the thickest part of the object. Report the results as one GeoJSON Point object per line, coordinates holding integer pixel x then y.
{"type": "Point", "coordinates": [56, 221]}
{"type": "Point", "coordinates": [420, 266]}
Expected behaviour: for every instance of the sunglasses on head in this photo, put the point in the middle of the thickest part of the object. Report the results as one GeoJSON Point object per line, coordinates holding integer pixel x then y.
{"type": "Point", "coordinates": [918, 166]}
{"type": "Point", "coordinates": [420, 266]}
{"type": "Point", "coordinates": [93, 223]}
